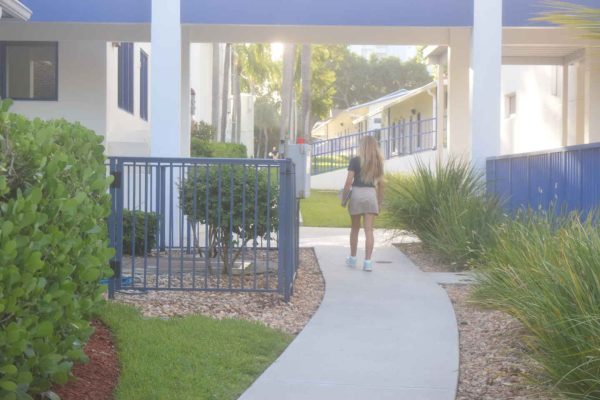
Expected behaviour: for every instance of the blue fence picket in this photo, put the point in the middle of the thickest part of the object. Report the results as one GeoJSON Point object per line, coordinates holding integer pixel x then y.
{"type": "Point", "coordinates": [397, 140]}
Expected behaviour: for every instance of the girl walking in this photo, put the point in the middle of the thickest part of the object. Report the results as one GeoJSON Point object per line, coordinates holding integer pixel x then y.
{"type": "Point", "coordinates": [365, 180]}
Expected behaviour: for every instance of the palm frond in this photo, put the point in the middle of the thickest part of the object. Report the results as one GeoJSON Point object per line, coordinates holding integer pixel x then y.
{"type": "Point", "coordinates": [585, 20]}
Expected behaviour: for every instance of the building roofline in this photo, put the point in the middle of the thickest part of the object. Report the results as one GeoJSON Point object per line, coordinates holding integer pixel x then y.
{"type": "Point", "coordinates": [15, 9]}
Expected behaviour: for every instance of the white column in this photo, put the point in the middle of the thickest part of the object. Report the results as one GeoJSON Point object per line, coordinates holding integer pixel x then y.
{"type": "Point", "coordinates": [165, 82]}
{"type": "Point", "coordinates": [440, 108]}
{"type": "Point", "coordinates": [186, 97]}
{"type": "Point", "coordinates": [565, 104]}
{"type": "Point", "coordinates": [592, 95]}
{"type": "Point", "coordinates": [486, 75]}
{"type": "Point", "coordinates": [459, 117]}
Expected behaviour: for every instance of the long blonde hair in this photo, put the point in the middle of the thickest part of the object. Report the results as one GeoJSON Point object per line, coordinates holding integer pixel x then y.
{"type": "Point", "coordinates": [371, 160]}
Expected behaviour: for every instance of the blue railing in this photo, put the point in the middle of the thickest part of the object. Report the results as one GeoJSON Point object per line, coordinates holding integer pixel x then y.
{"type": "Point", "coordinates": [565, 179]}
{"type": "Point", "coordinates": [397, 140]}
{"type": "Point", "coordinates": [204, 224]}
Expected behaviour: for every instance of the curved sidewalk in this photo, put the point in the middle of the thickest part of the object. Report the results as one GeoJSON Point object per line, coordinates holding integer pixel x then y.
{"type": "Point", "coordinates": [390, 334]}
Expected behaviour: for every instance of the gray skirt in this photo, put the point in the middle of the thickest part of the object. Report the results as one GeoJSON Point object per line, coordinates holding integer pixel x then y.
{"type": "Point", "coordinates": [363, 201]}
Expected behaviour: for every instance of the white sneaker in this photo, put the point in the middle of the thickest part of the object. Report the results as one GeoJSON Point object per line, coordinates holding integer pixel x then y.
{"type": "Point", "coordinates": [368, 266]}
{"type": "Point", "coordinates": [351, 261]}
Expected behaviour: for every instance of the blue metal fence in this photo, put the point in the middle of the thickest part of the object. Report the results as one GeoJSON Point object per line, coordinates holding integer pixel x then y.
{"type": "Point", "coordinates": [203, 224]}
{"type": "Point", "coordinates": [567, 178]}
{"type": "Point", "coordinates": [402, 139]}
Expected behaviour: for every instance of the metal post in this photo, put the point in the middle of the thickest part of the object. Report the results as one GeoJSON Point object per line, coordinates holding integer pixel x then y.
{"type": "Point", "coordinates": [117, 170]}
{"type": "Point", "coordinates": [282, 238]}
{"type": "Point", "coordinates": [410, 137]}
{"type": "Point", "coordinates": [112, 219]}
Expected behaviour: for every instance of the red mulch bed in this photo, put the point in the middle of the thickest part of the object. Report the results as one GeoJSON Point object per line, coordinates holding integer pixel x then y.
{"type": "Point", "coordinates": [97, 379]}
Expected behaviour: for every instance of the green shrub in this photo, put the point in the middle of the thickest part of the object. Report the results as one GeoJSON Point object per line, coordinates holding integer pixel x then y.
{"type": "Point", "coordinates": [545, 271]}
{"type": "Point", "coordinates": [53, 248]}
{"type": "Point", "coordinates": [204, 148]}
{"type": "Point", "coordinates": [203, 131]}
{"type": "Point", "coordinates": [231, 223]}
{"type": "Point", "coordinates": [145, 231]}
{"type": "Point", "coordinates": [446, 207]}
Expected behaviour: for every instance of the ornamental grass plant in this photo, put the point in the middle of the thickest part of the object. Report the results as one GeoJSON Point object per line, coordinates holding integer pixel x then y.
{"type": "Point", "coordinates": [544, 270]}
{"type": "Point", "coordinates": [446, 207]}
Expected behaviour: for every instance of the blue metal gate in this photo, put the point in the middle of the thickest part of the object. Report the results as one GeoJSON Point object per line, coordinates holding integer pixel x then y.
{"type": "Point", "coordinates": [203, 224]}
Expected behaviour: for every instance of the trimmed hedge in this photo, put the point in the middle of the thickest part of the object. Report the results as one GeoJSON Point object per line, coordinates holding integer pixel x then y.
{"type": "Point", "coordinates": [232, 221]}
{"type": "Point", "coordinates": [53, 248]}
{"type": "Point", "coordinates": [204, 148]}
{"type": "Point", "coordinates": [145, 231]}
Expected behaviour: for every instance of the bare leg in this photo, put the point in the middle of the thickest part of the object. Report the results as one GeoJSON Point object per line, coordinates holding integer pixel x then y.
{"type": "Point", "coordinates": [369, 238]}
{"type": "Point", "coordinates": [354, 234]}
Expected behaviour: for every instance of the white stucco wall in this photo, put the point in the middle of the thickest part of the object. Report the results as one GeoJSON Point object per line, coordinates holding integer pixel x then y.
{"type": "Point", "coordinates": [537, 123]}
{"type": "Point", "coordinates": [81, 87]}
{"type": "Point", "coordinates": [128, 134]}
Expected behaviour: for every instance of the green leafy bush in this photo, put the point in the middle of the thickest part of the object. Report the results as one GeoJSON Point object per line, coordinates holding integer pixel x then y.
{"type": "Point", "coordinates": [145, 225]}
{"type": "Point", "coordinates": [446, 207]}
{"type": "Point", "coordinates": [231, 222]}
{"type": "Point", "coordinates": [53, 248]}
{"type": "Point", "coordinates": [204, 148]}
{"type": "Point", "coordinates": [203, 131]}
{"type": "Point", "coordinates": [545, 271]}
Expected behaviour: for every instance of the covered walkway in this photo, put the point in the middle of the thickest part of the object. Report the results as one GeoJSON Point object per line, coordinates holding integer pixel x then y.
{"type": "Point", "coordinates": [390, 334]}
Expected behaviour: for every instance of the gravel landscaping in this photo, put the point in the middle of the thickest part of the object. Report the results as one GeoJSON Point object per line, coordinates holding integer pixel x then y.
{"type": "Point", "coordinates": [267, 308]}
{"type": "Point", "coordinates": [493, 361]}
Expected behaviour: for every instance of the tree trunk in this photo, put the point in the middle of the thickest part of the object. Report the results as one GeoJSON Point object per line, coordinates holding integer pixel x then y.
{"type": "Point", "coordinates": [225, 99]}
{"type": "Point", "coordinates": [289, 56]}
{"type": "Point", "coordinates": [266, 135]}
{"type": "Point", "coordinates": [305, 70]}
{"type": "Point", "coordinates": [216, 69]}
{"type": "Point", "coordinates": [237, 100]}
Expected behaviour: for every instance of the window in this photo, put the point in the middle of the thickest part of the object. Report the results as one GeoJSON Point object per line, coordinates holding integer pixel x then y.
{"type": "Point", "coordinates": [143, 86]}
{"type": "Point", "coordinates": [126, 77]}
{"type": "Point", "coordinates": [511, 105]}
{"type": "Point", "coordinates": [29, 70]}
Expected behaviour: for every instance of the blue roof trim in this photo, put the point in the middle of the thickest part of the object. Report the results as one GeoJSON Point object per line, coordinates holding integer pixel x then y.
{"type": "Point", "coordinates": [93, 11]}
{"type": "Point", "coordinates": [424, 13]}
{"type": "Point", "coordinates": [330, 12]}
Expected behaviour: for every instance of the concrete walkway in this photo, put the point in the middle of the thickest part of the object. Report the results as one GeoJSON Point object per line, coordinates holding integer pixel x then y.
{"type": "Point", "coordinates": [389, 334]}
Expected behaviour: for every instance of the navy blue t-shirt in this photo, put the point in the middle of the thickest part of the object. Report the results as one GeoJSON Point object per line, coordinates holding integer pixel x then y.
{"type": "Point", "coordinates": [355, 166]}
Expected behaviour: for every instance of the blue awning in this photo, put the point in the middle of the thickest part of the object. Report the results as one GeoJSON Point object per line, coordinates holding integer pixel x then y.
{"type": "Point", "coordinates": [422, 13]}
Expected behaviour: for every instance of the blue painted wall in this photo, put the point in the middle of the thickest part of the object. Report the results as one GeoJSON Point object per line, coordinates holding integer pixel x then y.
{"type": "Point", "coordinates": [289, 12]}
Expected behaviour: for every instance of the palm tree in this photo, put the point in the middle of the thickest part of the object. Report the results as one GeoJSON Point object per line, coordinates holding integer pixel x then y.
{"type": "Point", "coordinates": [287, 92]}
{"type": "Point", "coordinates": [305, 71]}
{"type": "Point", "coordinates": [225, 98]}
{"type": "Point", "coordinates": [266, 123]}
{"type": "Point", "coordinates": [236, 129]}
{"type": "Point", "coordinates": [216, 72]}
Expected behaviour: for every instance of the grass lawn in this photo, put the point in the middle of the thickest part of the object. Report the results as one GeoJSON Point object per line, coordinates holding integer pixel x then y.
{"type": "Point", "coordinates": [323, 209]}
{"type": "Point", "coordinates": [188, 358]}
